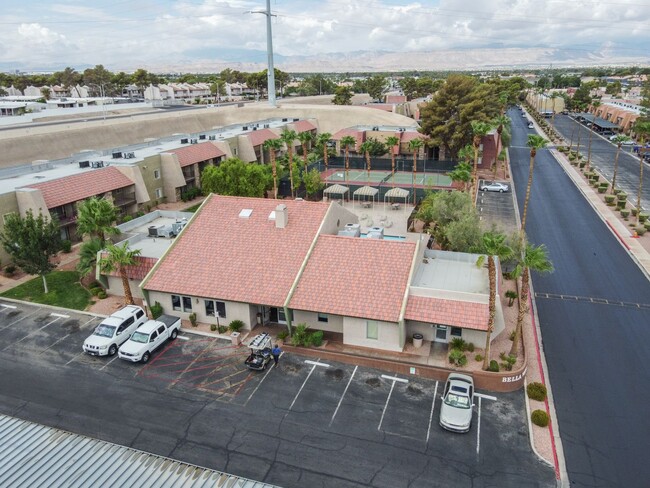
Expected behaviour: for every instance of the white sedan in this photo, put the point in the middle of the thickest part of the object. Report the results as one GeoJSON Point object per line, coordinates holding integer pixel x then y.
{"type": "Point", "coordinates": [494, 186]}
{"type": "Point", "coordinates": [457, 403]}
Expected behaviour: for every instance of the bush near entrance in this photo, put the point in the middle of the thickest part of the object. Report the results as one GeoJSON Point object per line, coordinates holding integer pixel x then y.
{"type": "Point", "coordinates": [539, 418]}
{"type": "Point", "coordinates": [536, 391]}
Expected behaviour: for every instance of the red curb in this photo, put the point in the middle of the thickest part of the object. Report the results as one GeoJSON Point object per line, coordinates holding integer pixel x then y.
{"type": "Point", "coordinates": [620, 238]}
{"type": "Point", "coordinates": [541, 372]}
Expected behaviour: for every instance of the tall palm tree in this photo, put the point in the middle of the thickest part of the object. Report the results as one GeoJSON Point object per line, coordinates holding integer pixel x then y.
{"type": "Point", "coordinates": [536, 259]}
{"type": "Point", "coordinates": [618, 140]}
{"type": "Point", "coordinates": [580, 107]}
{"type": "Point", "coordinates": [415, 145]}
{"type": "Point", "coordinates": [392, 142]}
{"type": "Point", "coordinates": [273, 145]}
{"type": "Point", "coordinates": [88, 256]}
{"type": "Point", "coordinates": [96, 217]}
{"type": "Point", "coordinates": [535, 143]}
{"type": "Point", "coordinates": [494, 244]}
{"type": "Point", "coordinates": [595, 104]}
{"type": "Point", "coordinates": [346, 142]}
{"type": "Point", "coordinates": [323, 139]}
{"type": "Point", "coordinates": [642, 129]}
{"type": "Point", "coordinates": [501, 121]}
{"type": "Point", "coordinates": [305, 138]}
{"type": "Point", "coordinates": [553, 96]}
{"type": "Point", "coordinates": [289, 137]}
{"type": "Point", "coordinates": [365, 149]}
{"type": "Point", "coordinates": [118, 258]}
{"type": "Point", "coordinates": [463, 174]}
{"type": "Point", "coordinates": [479, 129]}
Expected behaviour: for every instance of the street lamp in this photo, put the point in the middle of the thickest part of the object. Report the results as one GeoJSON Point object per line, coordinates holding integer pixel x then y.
{"type": "Point", "coordinates": [216, 314]}
{"type": "Point", "coordinates": [102, 94]}
{"type": "Point", "coordinates": [269, 51]}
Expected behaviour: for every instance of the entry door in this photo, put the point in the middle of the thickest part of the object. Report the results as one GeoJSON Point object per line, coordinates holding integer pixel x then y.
{"type": "Point", "coordinates": [441, 333]}
{"type": "Point", "coordinates": [278, 315]}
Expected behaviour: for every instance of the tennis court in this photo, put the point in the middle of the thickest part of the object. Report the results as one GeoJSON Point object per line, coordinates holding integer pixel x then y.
{"type": "Point", "coordinates": [401, 178]}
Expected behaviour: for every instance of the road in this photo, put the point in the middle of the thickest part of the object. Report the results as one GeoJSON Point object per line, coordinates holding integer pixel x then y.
{"type": "Point", "coordinates": [299, 424]}
{"type": "Point", "coordinates": [596, 352]}
{"type": "Point", "coordinates": [603, 154]}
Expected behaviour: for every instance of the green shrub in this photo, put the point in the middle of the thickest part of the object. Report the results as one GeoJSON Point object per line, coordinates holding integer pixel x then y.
{"type": "Point", "coordinates": [66, 245]}
{"type": "Point", "coordinates": [582, 164]}
{"type": "Point", "coordinates": [633, 211]}
{"type": "Point", "coordinates": [643, 217]}
{"type": "Point", "coordinates": [299, 335]}
{"type": "Point", "coordinates": [95, 291]}
{"type": "Point", "coordinates": [609, 199]}
{"type": "Point", "coordinates": [621, 204]}
{"type": "Point", "coordinates": [621, 196]}
{"type": "Point", "coordinates": [494, 366]}
{"type": "Point", "coordinates": [101, 295]}
{"type": "Point", "coordinates": [511, 295]}
{"type": "Point", "coordinates": [508, 361]}
{"type": "Point", "coordinates": [213, 327]}
{"type": "Point", "coordinates": [156, 310]}
{"type": "Point", "coordinates": [640, 230]}
{"type": "Point", "coordinates": [539, 418]}
{"type": "Point", "coordinates": [193, 321]}
{"type": "Point", "coordinates": [458, 343]}
{"type": "Point", "coordinates": [139, 214]}
{"type": "Point", "coordinates": [572, 157]}
{"type": "Point", "coordinates": [457, 358]}
{"type": "Point", "coordinates": [646, 225]}
{"type": "Point", "coordinates": [283, 334]}
{"type": "Point", "coordinates": [470, 347]}
{"type": "Point", "coordinates": [222, 329]}
{"type": "Point", "coordinates": [127, 218]}
{"type": "Point", "coordinates": [95, 284]}
{"type": "Point", "coordinates": [511, 337]}
{"type": "Point", "coordinates": [625, 213]}
{"type": "Point", "coordinates": [536, 391]}
{"type": "Point", "coordinates": [10, 270]}
{"type": "Point", "coordinates": [317, 338]}
{"type": "Point", "coordinates": [478, 357]}
{"type": "Point", "coordinates": [235, 325]}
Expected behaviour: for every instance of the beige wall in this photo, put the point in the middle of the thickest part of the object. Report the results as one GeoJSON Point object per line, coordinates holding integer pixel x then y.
{"type": "Point", "coordinates": [172, 175]}
{"type": "Point", "coordinates": [428, 332]}
{"type": "Point", "coordinates": [336, 218]}
{"type": "Point", "coordinates": [8, 204]}
{"type": "Point", "coordinates": [334, 322]}
{"type": "Point", "coordinates": [354, 334]}
{"type": "Point", "coordinates": [246, 150]}
{"type": "Point", "coordinates": [134, 173]}
{"type": "Point", "coordinates": [115, 287]}
{"type": "Point", "coordinates": [31, 199]}
{"type": "Point", "coordinates": [148, 167]}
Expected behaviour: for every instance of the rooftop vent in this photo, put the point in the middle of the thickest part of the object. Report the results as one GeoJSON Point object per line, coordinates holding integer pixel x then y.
{"type": "Point", "coordinates": [245, 127]}
{"type": "Point", "coordinates": [84, 164]}
{"type": "Point", "coordinates": [184, 141]}
{"type": "Point", "coordinates": [201, 136]}
{"type": "Point", "coordinates": [245, 213]}
{"type": "Point", "coordinates": [281, 216]}
{"type": "Point", "coordinates": [212, 138]}
{"type": "Point", "coordinates": [117, 155]}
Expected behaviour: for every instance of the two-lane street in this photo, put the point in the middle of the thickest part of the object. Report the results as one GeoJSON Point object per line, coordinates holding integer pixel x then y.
{"type": "Point", "coordinates": [594, 349]}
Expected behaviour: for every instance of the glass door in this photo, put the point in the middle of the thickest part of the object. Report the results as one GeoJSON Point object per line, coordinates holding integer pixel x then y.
{"type": "Point", "coordinates": [441, 333]}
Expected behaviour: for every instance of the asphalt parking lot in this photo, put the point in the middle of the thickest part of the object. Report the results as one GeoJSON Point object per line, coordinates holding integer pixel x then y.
{"type": "Point", "coordinates": [333, 424]}
{"type": "Point", "coordinates": [497, 208]}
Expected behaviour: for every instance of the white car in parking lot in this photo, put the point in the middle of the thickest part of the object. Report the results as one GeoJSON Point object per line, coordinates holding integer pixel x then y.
{"type": "Point", "coordinates": [113, 331]}
{"type": "Point", "coordinates": [149, 337]}
{"type": "Point", "coordinates": [457, 403]}
{"type": "Point", "coordinates": [494, 186]}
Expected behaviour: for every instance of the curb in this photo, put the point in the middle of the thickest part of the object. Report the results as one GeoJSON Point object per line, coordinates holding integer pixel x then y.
{"type": "Point", "coordinates": [530, 428]}
{"type": "Point", "coordinates": [54, 307]}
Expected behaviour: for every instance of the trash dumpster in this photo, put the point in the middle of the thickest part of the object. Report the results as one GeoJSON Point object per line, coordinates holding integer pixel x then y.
{"type": "Point", "coordinates": [417, 340]}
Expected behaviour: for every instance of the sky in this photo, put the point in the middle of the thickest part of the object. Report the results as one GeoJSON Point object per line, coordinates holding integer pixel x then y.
{"type": "Point", "coordinates": [157, 34]}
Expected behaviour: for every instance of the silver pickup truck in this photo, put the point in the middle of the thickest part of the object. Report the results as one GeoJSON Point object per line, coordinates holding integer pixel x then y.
{"type": "Point", "coordinates": [149, 337]}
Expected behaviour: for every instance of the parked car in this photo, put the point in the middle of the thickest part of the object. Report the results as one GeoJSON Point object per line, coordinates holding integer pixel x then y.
{"type": "Point", "coordinates": [457, 403]}
{"type": "Point", "coordinates": [494, 186]}
{"type": "Point", "coordinates": [149, 337]}
{"type": "Point", "coordinates": [113, 331]}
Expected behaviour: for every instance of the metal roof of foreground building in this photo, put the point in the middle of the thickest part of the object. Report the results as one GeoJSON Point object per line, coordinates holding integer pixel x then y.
{"type": "Point", "coordinates": [36, 455]}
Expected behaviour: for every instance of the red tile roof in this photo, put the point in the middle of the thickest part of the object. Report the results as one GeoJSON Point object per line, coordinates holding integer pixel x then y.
{"type": "Point", "coordinates": [81, 186]}
{"type": "Point", "coordinates": [221, 255]}
{"type": "Point", "coordinates": [139, 270]}
{"type": "Point", "coordinates": [408, 136]}
{"type": "Point", "coordinates": [468, 315]}
{"type": "Point", "coordinates": [195, 153]}
{"type": "Point", "coordinates": [355, 277]}
{"type": "Point", "coordinates": [395, 99]}
{"type": "Point", "coordinates": [357, 134]}
{"type": "Point", "coordinates": [303, 126]}
{"type": "Point", "coordinates": [259, 137]}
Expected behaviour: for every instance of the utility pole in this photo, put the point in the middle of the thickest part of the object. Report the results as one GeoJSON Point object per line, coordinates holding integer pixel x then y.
{"type": "Point", "coordinates": [269, 51]}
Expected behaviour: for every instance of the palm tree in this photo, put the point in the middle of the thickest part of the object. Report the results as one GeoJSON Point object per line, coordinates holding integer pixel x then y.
{"type": "Point", "coordinates": [501, 121]}
{"type": "Point", "coordinates": [618, 140]}
{"type": "Point", "coordinates": [273, 145]}
{"type": "Point", "coordinates": [305, 138]}
{"type": "Point", "coordinates": [494, 244]}
{"type": "Point", "coordinates": [392, 142]}
{"type": "Point", "coordinates": [536, 259]}
{"type": "Point", "coordinates": [118, 258]}
{"type": "Point", "coordinates": [642, 129]}
{"type": "Point", "coordinates": [595, 104]}
{"type": "Point", "coordinates": [346, 142]}
{"type": "Point", "coordinates": [535, 143]}
{"type": "Point", "coordinates": [323, 139]}
{"type": "Point", "coordinates": [479, 129]}
{"type": "Point", "coordinates": [88, 256]}
{"type": "Point", "coordinates": [580, 107]}
{"type": "Point", "coordinates": [365, 148]}
{"type": "Point", "coordinates": [96, 216]}
{"type": "Point", "coordinates": [289, 137]}
{"type": "Point", "coordinates": [462, 173]}
{"type": "Point", "coordinates": [415, 145]}
{"type": "Point", "coordinates": [553, 96]}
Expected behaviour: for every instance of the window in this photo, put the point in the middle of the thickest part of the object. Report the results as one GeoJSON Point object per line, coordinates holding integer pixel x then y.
{"type": "Point", "coordinates": [139, 314]}
{"type": "Point", "coordinates": [322, 317]}
{"type": "Point", "coordinates": [372, 329]}
{"type": "Point", "coordinates": [210, 306]}
{"type": "Point", "coordinates": [154, 334]}
{"type": "Point", "coordinates": [156, 174]}
{"type": "Point", "coordinates": [128, 322]}
{"type": "Point", "coordinates": [161, 329]}
{"type": "Point", "coordinates": [176, 302]}
{"type": "Point", "coordinates": [187, 304]}
{"type": "Point", "coordinates": [456, 331]}
{"type": "Point", "coordinates": [159, 192]}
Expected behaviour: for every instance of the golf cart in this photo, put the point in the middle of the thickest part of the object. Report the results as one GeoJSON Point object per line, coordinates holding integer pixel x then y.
{"type": "Point", "coordinates": [260, 355]}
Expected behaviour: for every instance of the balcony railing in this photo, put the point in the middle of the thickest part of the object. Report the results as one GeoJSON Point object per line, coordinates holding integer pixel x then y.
{"type": "Point", "coordinates": [124, 199]}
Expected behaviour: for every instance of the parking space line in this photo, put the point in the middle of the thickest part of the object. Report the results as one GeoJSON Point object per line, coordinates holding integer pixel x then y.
{"type": "Point", "coordinates": [260, 383]}
{"type": "Point", "coordinates": [64, 337]}
{"type": "Point", "coordinates": [392, 386]}
{"type": "Point", "coordinates": [102, 368]}
{"type": "Point", "coordinates": [316, 363]}
{"type": "Point", "coordinates": [59, 315]}
{"type": "Point", "coordinates": [8, 306]}
{"type": "Point", "coordinates": [31, 334]}
{"type": "Point", "coordinates": [77, 356]}
{"type": "Point", "coordinates": [342, 396]}
{"type": "Point", "coordinates": [487, 397]}
{"type": "Point", "coordinates": [183, 338]}
{"type": "Point", "coordinates": [478, 428]}
{"type": "Point", "coordinates": [394, 378]}
{"type": "Point", "coordinates": [21, 318]}
{"type": "Point", "coordinates": [433, 404]}
{"type": "Point", "coordinates": [303, 385]}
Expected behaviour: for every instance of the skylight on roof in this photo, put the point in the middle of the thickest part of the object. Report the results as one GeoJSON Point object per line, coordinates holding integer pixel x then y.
{"type": "Point", "coordinates": [245, 213]}
{"type": "Point", "coordinates": [272, 215]}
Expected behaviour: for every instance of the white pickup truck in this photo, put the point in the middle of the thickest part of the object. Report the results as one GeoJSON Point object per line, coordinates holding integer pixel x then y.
{"type": "Point", "coordinates": [149, 337]}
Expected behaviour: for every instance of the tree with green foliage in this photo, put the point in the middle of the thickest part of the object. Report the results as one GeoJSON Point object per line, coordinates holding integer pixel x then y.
{"type": "Point", "coordinates": [273, 146]}
{"type": "Point", "coordinates": [415, 145]}
{"type": "Point", "coordinates": [462, 173]}
{"type": "Point", "coordinates": [322, 142]}
{"type": "Point", "coordinates": [642, 130]}
{"type": "Point", "coordinates": [289, 137]}
{"type": "Point", "coordinates": [97, 217]}
{"type": "Point", "coordinates": [392, 142]}
{"type": "Point", "coordinates": [479, 130]}
{"type": "Point", "coordinates": [218, 89]}
{"type": "Point", "coordinates": [618, 140]}
{"type": "Point", "coordinates": [581, 98]}
{"type": "Point", "coordinates": [494, 245]}
{"type": "Point", "coordinates": [118, 258]}
{"type": "Point", "coordinates": [535, 143]}
{"type": "Point", "coordinates": [346, 142]}
{"type": "Point", "coordinates": [460, 101]}
{"type": "Point", "coordinates": [342, 96]}
{"type": "Point", "coordinates": [365, 149]}
{"type": "Point", "coordinates": [313, 182]}
{"type": "Point", "coordinates": [88, 256]}
{"type": "Point", "coordinates": [535, 258]}
{"type": "Point", "coordinates": [234, 177]}
{"type": "Point", "coordinates": [594, 104]}
{"type": "Point", "coordinates": [501, 122]}
{"type": "Point", "coordinates": [305, 138]}
{"type": "Point", "coordinates": [376, 85]}
{"type": "Point", "coordinates": [31, 242]}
